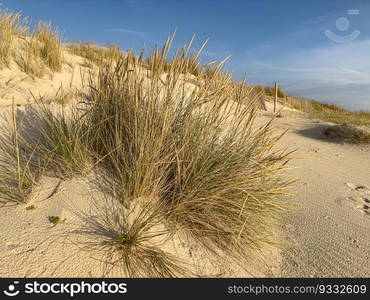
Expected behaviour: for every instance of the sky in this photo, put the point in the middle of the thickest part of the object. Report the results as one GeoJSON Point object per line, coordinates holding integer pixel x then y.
{"type": "Point", "coordinates": [318, 49]}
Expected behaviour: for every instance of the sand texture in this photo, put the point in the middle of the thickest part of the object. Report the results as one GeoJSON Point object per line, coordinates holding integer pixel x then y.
{"type": "Point", "coordinates": [325, 234]}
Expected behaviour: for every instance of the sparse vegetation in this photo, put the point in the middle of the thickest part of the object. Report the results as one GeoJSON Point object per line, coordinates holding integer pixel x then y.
{"type": "Point", "coordinates": [17, 177]}
{"type": "Point", "coordinates": [343, 117]}
{"type": "Point", "coordinates": [31, 207]}
{"type": "Point", "coordinates": [59, 138]}
{"type": "Point", "coordinates": [334, 114]}
{"type": "Point", "coordinates": [30, 64]}
{"type": "Point", "coordinates": [46, 44]}
{"type": "Point", "coordinates": [183, 157]}
{"type": "Point", "coordinates": [56, 220]}
{"type": "Point", "coordinates": [94, 54]}
{"type": "Point", "coordinates": [34, 53]}
{"type": "Point", "coordinates": [183, 62]}
{"type": "Point", "coordinates": [326, 112]}
{"type": "Point", "coordinates": [348, 133]}
{"type": "Point", "coordinates": [196, 151]}
{"type": "Point", "coordinates": [132, 239]}
{"type": "Point", "coordinates": [41, 52]}
{"type": "Point", "coordinates": [47, 141]}
{"type": "Point", "coordinates": [12, 25]}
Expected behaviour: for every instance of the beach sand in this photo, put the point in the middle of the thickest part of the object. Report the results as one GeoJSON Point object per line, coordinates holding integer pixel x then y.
{"type": "Point", "coordinates": [325, 234]}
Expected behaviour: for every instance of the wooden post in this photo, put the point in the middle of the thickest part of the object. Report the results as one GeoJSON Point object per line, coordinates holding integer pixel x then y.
{"type": "Point", "coordinates": [276, 95]}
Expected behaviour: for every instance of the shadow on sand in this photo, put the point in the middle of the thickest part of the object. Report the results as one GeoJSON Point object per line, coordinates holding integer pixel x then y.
{"type": "Point", "coordinates": [317, 132]}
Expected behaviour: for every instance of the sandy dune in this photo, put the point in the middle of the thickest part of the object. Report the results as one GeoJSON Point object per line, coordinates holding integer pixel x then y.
{"type": "Point", "coordinates": [325, 234]}
{"type": "Point", "coordinates": [33, 247]}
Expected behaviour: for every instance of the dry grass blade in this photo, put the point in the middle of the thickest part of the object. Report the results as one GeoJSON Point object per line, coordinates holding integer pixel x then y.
{"type": "Point", "coordinates": [18, 171]}
{"type": "Point", "coordinates": [131, 239]}
{"type": "Point", "coordinates": [30, 64]}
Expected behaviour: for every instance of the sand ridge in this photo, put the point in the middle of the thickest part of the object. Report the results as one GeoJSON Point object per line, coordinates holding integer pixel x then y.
{"type": "Point", "coordinates": [326, 234]}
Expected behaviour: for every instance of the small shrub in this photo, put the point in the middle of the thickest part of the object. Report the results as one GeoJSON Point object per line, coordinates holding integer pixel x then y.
{"type": "Point", "coordinates": [55, 220]}
{"type": "Point", "coordinates": [31, 207]}
{"type": "Point", "coordinates": [348, 133]}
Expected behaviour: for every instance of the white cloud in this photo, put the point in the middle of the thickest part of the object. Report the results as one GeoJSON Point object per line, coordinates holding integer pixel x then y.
{"type": "Point", "coordinates": [316, 21]}
{"type": "Point", "coordinates": [334, 72]}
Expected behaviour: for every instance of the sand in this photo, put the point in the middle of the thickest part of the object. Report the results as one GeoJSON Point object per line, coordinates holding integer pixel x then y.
{"type": "Point", "coordinates": [325, 234]}
{"type": "Point", "coordinates": [328, 231]}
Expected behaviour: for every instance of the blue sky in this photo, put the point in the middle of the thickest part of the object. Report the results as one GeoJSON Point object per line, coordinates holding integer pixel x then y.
{"type": "Point", "coordinates": [292, 41]}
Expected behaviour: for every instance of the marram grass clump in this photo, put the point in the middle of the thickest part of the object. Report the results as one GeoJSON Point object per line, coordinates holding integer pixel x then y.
{"type": "Point", "coordinates": [42, 140]}
{"type": "Point", "coordinates": [12, 26]}
{"type": "Point", "coordinates": [37, 52]}
{"type": "Point", "coordinates": [348, 133]}
{"type": "Point", "coordinates": [58, 139]}
{"type": "Point", "coordinates": [194, 148]}
{"type": "Point", "coordinates": [180, 136]}
{"type": "Point", "coordinates": [46, 43]}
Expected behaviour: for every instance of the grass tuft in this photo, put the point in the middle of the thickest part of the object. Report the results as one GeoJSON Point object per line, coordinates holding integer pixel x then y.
{"type": "Point", "coordinates": [30, 64]}
{"type": "Point", "coordinates": [59, 138]}
{"type": "Point", "coordinates": [347, 120]}
{"type": "Point", "coordinates": [12, 25]}
{"type": "Point", "coordinates": [31, 207]}
{"type": "Point", "coordinates": [17, 175]}
{"type": "Point", "coordinates": [131, 239]}
{"type": "Point", "coordinates": [46, 44]}
{"type": "Point", "coordinates": [96, 55]}
{"type": "Point", "coordinates": [195, 148]}
{"type": "Point", "coordinates": [55, 220]}
{"type": "Point", "coordinates": [348, 133]}
{"type": "Point", "coordinates": [40, 52]}
{"type": "Point", "coordinates": [179, 141]}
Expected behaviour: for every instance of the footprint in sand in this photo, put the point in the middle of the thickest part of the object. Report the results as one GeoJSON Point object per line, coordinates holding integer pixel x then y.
{"type": "Point", "coordinates": [364, 206]}
{"type": "Point", "coordinates": [358, 188]}
{"type": "Point", "coordinates": [359, 201]}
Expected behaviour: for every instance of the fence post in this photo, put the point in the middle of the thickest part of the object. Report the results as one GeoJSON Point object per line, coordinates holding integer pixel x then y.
{"type": "Point", "coordinates": [276, 95]}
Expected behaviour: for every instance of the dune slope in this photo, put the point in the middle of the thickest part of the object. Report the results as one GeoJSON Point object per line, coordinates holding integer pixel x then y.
{"type": "Point", "coordinates": [327, 233]}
